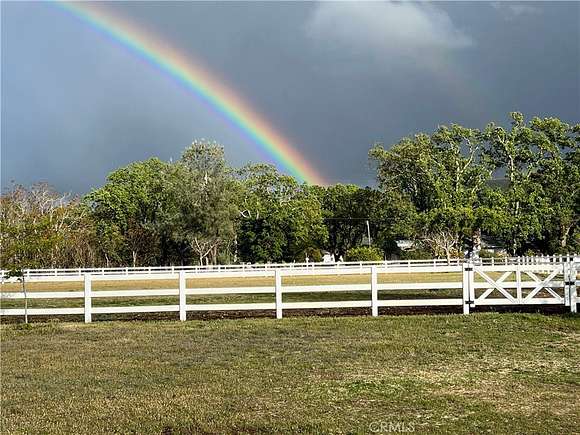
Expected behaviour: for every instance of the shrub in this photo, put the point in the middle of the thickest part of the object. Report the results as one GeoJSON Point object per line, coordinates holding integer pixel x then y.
{"type": "Point", "coordinates": [364, 253]}
{"type": "Point", "coordinates": [416, 254]}
{"type": "Point", "coordinates": [314, 254]}
{"type": "Point", "coordinates": [485, 253]}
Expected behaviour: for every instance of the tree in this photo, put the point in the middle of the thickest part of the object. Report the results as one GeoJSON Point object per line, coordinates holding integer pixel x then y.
{"type": "Point", "coordinates": [40, 227]}
{"type": "Point", "coordinates": [439, 178]}
{"type": "Point", "coordinates": [346, 210]}
{"type": "Point", "coordinates": [559, 178]}
{"type": "Point", "coordinates": [435, 189]}
{"type": "Point", "coordinates": [364, 253]}
{"type": "Point", "coordinates": [279, 219]}
{"type": "Point", "coordinates": [203, 190]}
{"type": "Point", "coordinates": [126, 212]}
{"type": "Point", "coordinates": [540, 201]}
{"type": "Point", "coordinates": [394, 218]}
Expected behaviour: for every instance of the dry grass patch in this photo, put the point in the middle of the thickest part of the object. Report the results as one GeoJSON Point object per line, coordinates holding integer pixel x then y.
{"type": "Point", "coordinates": [496, 373]}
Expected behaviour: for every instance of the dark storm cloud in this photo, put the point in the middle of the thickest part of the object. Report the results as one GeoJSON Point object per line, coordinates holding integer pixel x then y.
{"type": "Point", "coordinates": [332, 77]}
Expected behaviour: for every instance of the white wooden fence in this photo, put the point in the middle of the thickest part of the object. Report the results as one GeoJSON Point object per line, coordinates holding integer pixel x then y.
{"type": "Point", "coordinates": [251, 269]}
{"type": "Point", "coordinates": [481, 284]}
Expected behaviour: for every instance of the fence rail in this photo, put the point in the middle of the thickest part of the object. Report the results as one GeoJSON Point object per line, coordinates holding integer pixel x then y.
{"type": "Point", "coordinates": [465, 284]}
{"type": "Point", "coordinates": [49, 274]}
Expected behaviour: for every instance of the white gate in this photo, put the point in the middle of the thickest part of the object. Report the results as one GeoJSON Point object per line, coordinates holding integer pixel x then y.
{"type": "Point", "coordinates": [521, 284]}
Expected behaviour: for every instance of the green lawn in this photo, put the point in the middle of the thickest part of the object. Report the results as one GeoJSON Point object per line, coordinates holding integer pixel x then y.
{"type": "Point", "coordinates": [494, 373]}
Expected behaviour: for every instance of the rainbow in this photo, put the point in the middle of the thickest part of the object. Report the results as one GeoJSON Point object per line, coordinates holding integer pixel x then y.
{"type": "Point", "coordinates": [199, 82]}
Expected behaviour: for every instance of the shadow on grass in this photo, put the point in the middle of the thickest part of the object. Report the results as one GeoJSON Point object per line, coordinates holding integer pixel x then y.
{"type": "Point", "coordinates": [320, 312]}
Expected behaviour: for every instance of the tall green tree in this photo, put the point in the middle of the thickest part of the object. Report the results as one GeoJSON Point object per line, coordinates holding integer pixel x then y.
{"type": "Point", "coordinates": [540, 201]}
{"type": "Point", "coordinates": [345, 210]}
{"type": "Point", "coordinates": [204, 193]}
{"type": "Point", "coordinates": [126, 212]}
{"type": "Point", "coordinates": [280, 219]}
{"type": "Point", "coordinates": [348, 209]}
{"type": "Point", "coordinates": [441, 177]}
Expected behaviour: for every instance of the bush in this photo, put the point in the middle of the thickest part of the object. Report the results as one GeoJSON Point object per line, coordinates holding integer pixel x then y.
{"type": "Point", "coordinates": [364, 253]}
{"type": "Point", "coordinates": [314, 255]}
{"type": "Point", "coordinates": [484, 253]}
{"type": "Point", "coordinates": [416, 254]}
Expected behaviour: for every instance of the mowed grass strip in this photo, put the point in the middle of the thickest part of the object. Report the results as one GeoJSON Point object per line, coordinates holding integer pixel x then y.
{"type": "Point", "coordinates": [508, 373]}
{"type": "Point", "coordinates": [363, 278]}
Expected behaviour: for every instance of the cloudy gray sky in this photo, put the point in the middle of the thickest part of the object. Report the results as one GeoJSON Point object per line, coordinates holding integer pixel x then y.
{"type": "Point", "coordinates": [332, 77]}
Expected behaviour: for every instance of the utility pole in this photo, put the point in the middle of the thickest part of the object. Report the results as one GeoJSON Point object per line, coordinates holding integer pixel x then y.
{"type": "Point", "coordinates": [368, 232]}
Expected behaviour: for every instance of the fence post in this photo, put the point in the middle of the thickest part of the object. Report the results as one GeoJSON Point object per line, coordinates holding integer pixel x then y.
{"type": "Point", "coordinates": [519, 294]}
{"type": "Point", "coordinates": [88, 301]}
{"type": "Point", "coordinates": [573, 289]}
{"type": "Point", "coordinates": [374, 292]}
{"type": "Point", "coordinates": [25, 299]}
{"type": "Point", "coordinates": [278, 277]}
{"type": "Point", "coordinates": [566, 272]}
{"type": "Point", "coordinates": [471, 278]}
{"type": "Point", "coordinates": [182, 297]}
{"type": "Point", "coordinates": [465, 287]}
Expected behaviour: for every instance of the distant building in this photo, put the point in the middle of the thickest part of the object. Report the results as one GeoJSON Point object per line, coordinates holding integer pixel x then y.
{"type": "Point", "coordinates": [327, 257]}
{"type": "Point", "coordinates": [491, 245]}
{"type": "Point", "coordinates": [405, 245]}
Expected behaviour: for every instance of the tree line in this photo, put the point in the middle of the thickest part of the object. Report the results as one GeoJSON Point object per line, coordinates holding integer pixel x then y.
{"type": "Point", "coordinates": [518, 186]}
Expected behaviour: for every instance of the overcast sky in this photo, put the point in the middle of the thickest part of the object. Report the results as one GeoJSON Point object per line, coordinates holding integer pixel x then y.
{"type": "Point", "coordinates": [333, 77]}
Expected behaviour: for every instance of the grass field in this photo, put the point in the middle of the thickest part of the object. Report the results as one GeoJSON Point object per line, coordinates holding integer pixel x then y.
{"type": "Point", "coordinates": [494, 373]}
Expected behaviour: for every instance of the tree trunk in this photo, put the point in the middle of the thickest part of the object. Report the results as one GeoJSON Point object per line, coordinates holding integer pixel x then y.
{"type": "Point", "coordinates": [235, 248]}
{"type": "Point", "coordinates": [564, 239]}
